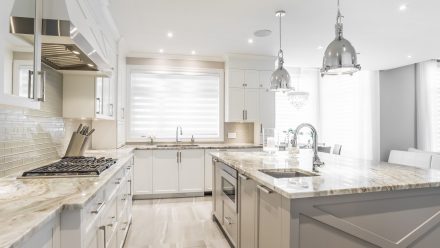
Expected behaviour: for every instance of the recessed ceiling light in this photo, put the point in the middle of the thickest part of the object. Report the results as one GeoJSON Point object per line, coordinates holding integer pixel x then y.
{"type": "Point", "coordinates": [250, 41]}
{"type": "Point", "coordinates": [409, 56]}
{"type": "Point", "coordinates": [403, 7]}
{"type": "Point", "coordinates": [90, 65]}
{"type": "Point", "coordinates": [193, 52]}
{"type": "Point", "coordinates": [75, 52]}
{"type": "Point", "coordinates": [170, 35]}
{"type": "Point", "coordinates": [262, 33]}
{"type": "Point", "coordinates": [320, 47]}
{"type": "Point", "coordinates": [161, 50]}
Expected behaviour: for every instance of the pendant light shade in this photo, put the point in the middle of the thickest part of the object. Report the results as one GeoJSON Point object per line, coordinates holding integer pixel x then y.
{"type": "Point", "coordinates": [340, 56]}
{"type": "Point", "coordinates": [280, 80]}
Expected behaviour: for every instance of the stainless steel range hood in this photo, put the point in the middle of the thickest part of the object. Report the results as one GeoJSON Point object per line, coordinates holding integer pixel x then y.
{"type": "Point", "coordinates": [63, 45]}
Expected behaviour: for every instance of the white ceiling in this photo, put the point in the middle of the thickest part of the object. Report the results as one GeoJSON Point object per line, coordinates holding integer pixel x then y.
{"type": "Point", "coordinates": [382, 34]}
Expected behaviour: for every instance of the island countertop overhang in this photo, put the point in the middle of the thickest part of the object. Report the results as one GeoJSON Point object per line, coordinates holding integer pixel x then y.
{"type": "Point", "coordinates": [339, 176]}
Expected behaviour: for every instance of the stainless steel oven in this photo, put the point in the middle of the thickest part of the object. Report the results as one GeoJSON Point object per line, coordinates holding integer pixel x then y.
{"type": "Point", "coordinates": [229, 187]}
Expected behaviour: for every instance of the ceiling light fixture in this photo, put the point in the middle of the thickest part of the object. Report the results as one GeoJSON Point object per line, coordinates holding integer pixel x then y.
{"type": "Point", "coordinates": [193, 52]}
{"type": "Point", "coordinates": [409, 56]}
{"type": "Point", "coordinates": [280, 79]}
{"type": "Point", "coordinates": [320, 47]}
{"type": "Point", "coordinates": [262, 33]}
{"type": "Point", "coordinates": [91, 65]}
{"type": "Point", "coordinates": [161, 50]}
{"type": "Point", "coordinates": [340, 56]}
{"type": "Point", "coordinates": [170, 35]}
{"type": "Point", "coordinates": [75, 52]}
{"type": "Point", "coordinates": [403, 7]}
{"type": "Point", "coordinates": [250, 41]}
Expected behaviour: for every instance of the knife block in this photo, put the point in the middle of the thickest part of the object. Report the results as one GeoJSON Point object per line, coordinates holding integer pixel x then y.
{"type": "Point", "coordinates": [77, 145]}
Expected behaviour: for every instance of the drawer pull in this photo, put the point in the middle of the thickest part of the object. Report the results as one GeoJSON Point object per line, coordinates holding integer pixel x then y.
{"type": "Point", "coordinates": [243, 177]}
{"type": "Point", "coordinates": [100, 206]}
{"type": "Point", "coordinates": [118, 181]}
{"type": "Point", "coordinates": [264, 189]}
{"type": "Point", "coordinates": [228, 220]}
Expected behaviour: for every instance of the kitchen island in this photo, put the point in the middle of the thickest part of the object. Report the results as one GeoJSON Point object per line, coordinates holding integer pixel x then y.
{"type": "Point", "coordinates": [349, 203]}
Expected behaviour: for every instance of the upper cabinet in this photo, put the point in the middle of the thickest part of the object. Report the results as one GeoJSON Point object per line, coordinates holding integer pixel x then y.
{"type": "Point", "coordinates": [247, 94]}
{"type": "Point", "coordinates": [88, 96]}
{"type": "Point", "coordinates": [22, 81]}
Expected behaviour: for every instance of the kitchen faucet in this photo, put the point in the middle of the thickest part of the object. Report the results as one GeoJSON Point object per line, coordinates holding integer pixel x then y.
{"type": "Point", "coordinates": [316, 161]}
{"type": "Point", "coordinates": [177, 133]}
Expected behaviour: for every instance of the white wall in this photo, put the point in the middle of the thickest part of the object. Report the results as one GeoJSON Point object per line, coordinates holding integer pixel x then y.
{"type": "Point", "coordinates": [397, 110]}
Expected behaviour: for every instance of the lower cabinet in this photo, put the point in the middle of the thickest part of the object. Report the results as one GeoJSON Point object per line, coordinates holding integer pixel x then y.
{"type": "Point", "coordinates": [269, 218]}
{"type": "Point", "coordinates": [217, 194]}
{"type": "Point", "coordinates": [208, 170]}
{"type": "Point", "coordinates": [158, 172]}
{"type": "Point", "coordinates": [143, 172]}
{"type": "Point", "coordinates": [46, 237]}
{"type": "Point", "coordinates": [248, 212]}
{"type": "Point", "coordinates": [165, 171]}
{"type": "Point", "coordinates": [191, 168]}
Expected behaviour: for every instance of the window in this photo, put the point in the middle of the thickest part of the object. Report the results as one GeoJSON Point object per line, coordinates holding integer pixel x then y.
{"type": "Point", "coordinates": [286, 115]}
{"type": "Point", "coordinates": [349, 107]}
{"type": "Point", "coordinates": [161, 101]}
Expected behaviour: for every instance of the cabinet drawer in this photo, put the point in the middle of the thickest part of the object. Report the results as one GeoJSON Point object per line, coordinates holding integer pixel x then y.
{"type": "Point", "coordinates": [113, 184]}
{"type": "Point", "coordinates": [230, 223]}
{"type": "Point", "coordinates": [109, 220]}
{"type": "Point", "coordinates": [93, 209]}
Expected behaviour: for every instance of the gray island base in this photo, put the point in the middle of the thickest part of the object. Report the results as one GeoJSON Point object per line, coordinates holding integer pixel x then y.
{"type": "Point", "coordinates": [350, 204]}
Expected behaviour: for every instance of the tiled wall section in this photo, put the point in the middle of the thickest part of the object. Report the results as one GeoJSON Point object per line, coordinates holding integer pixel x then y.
{"type": "Point", "coordinates": [30, 138]}
{"type": "Point", "coordinates": [244, 131]}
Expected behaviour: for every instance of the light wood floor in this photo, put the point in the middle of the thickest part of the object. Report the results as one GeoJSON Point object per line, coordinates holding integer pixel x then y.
{"type": "Point", "coordinates": [177, 223]}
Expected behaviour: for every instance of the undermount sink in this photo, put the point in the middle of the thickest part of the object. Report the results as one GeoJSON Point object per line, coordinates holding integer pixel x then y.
{"type": "Point", "coordinates": [178, 145]}
{"type": "Point", "coordinates": [287, 173]}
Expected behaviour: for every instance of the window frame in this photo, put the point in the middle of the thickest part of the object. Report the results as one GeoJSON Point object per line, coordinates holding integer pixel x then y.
{"type": "Point", "coordinates": [152, 69]}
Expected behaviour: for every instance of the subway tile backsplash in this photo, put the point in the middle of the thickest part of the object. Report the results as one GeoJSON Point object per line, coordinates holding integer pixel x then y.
{"type": "Point", "coordinates": [31, 138]}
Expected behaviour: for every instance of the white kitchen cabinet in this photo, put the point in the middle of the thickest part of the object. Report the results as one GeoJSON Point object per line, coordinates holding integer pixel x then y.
{"type": "Point", "coordinates": [238, 78]}
{"type": "Point", "coordinates": [191, 171]}
{"type": "Point", "coordinates": [266, 109]}
{"type": "Point", "coordinates": [269, 218]}
{"type": "Point", "coordinates": [248, 212]}
{"type": "Point", "coordinates": [217, 194]}
{"type": "Point", "coordinates": [46, 237]}
{"type": "Point", "coordinates": [251, 105]}
{"type": "Point", "coordinates": [243, 104]}
{"type": "Point", "coordinates": [264, 79]}
{"type": "Point", "coordinates": [87, 96]}
{"type": "Point", "coordinates": [143, 172]}
{"type": "Point", "coordinates": [21, 80]}
{"type": "Point", "coordinates": [208, 170]}
{"type": "Point", "coordinates": [165, 171]}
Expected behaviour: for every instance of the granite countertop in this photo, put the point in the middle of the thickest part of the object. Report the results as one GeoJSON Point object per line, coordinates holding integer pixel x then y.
{"type": "Point", "coordinates": [198, 146]}
{"type": "Point", "coordinates": [338, 176]}
{"type": "Point", "coordinates": [28, 204]}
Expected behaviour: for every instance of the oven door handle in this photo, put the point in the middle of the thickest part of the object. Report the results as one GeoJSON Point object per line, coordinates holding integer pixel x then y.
{"type": "Point", "coordinates": [243, 177]}
{"type": "Point", "coordinates": [264, 189]}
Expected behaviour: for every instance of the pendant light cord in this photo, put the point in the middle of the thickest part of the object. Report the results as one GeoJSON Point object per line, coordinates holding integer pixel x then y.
{"type": "Point", "coordinates": [280, 29]}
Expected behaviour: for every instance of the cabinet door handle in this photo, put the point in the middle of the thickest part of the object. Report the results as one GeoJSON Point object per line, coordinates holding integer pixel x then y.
{"type": "Point", "coordinates": [243, 177]}
{"type": "Point", "coordinates": [243, 115]}
{"type": "Point", "coordinates": [30, 89]}
{"type": "Point", "coordinates": [264, 189]}
{"type": "Point", "coordinates": [180, 157]}
{"type": "Point", "coordinates": [228, 220]}
{"type": "Point", "coordinates": [177, 157]}
{"type": "Point", "coordinates": [123, 113]}
{"type": "Point", "coordinates": [261, 127]}
{"type": "Point", "coordinates": [129, 180]}
{"type": "Point", "coordinates": [98, 105]}
{"type": "Point", "coordinates": [105, 235]}
{"type": "Point", "coordinates": [110, 109]}
{"type": "Point", "coordinates": [100, 206]}
{"type": "Point", "coordinates": [43, 80]}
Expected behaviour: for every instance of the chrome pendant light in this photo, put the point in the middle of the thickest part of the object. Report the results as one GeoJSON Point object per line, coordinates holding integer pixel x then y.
{"type": "Point", "coordinates": [340, 56]}
{"type": "Point", "coordinates": [280, 80]}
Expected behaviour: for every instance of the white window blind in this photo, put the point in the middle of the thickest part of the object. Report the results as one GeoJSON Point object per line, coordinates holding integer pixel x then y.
{"type": "Point", "coordinates": [159, 102]}
{"type": "Point", "coordinates": [350, 113]}
{"type": "Point", "coordinates": [286, 115]}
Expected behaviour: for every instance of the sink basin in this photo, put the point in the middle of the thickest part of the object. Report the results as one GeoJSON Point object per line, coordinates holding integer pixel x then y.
{"type": "Point", "coordinates": [287, 173]}
{"type": "Point", "coordinates": [178, 145]}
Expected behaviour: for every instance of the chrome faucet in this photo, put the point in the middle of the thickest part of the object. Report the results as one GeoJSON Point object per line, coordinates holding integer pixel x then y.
{"type": "Point", "coordinates": [177, 133]}
{"type": "Point", "coordinates": [316, 160]}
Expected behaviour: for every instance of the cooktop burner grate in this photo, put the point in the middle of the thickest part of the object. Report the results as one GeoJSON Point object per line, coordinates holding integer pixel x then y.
{"type": "Point", "coordinates": [73, 166]}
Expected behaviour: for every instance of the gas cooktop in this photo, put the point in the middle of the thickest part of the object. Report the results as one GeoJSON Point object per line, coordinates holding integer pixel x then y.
{"type": "Point", "coordinates": [73, 167]}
